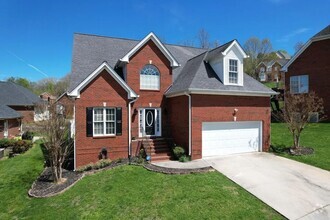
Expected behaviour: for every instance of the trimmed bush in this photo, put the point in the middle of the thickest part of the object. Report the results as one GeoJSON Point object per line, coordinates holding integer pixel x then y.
{"type": "Point", "coordinates": [5, 143]}
{"type": "Point", "coordinates": [21, 146]}
{"type": "Point", "coordinates": [178, 152]}
{"type": "Point", "coordinates": [96, 166]}
{"type": "Point", "coordinates": [28, 135]}
{"type": "Point", "coordinates": [184, 158]}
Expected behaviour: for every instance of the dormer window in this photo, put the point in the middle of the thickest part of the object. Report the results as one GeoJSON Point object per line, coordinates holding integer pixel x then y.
{"type": "Point", "coordinates": [149, 78]}
{"type": "Point", "coordinates": [233, 71]}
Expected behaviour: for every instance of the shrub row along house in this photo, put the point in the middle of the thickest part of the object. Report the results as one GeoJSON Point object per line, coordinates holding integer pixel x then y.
{"type": "Point", "coordinates": [309, 69]}
{"type": "Point", "coordinates": [126, 91]}
{"type": "Point", "coordinates": [17, 106]}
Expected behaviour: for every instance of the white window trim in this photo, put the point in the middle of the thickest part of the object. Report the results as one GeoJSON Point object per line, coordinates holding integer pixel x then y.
{"type": "Point", "coordinates": [5, 129]}
{"type": "Point", "coordinates": [237, 72]}
{"type": "Point", "coordinates": [299, 83]}
{"type": "Point", "coordinates": [152, 89]}
{"type": "Point", "coordinates": [104, 122]}
{"type": "Point", "coordinates": [159, 117]}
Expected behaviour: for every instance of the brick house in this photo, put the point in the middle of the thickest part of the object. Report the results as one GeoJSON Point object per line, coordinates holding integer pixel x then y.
{"type": "Point", "coordinates": [17, 106]}
{"type": "Point", "coordinates": [127, 92]}
{"type": "Point", "coordinates": [270, 71]}
{"type": "Point", "coordinates": [309, 68]}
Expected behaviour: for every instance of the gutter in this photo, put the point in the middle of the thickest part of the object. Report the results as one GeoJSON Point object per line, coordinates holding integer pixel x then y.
{"type": "Point", "coordinates": [130, 127]}
{"type": "Point", "coordinates": [189, 103]}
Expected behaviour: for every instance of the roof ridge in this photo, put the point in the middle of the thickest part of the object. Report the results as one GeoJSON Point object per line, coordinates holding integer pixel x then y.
{"type": "Point", "coordinates": [229, 42]}
{"type": "Point", "coordinates": [130, 39]}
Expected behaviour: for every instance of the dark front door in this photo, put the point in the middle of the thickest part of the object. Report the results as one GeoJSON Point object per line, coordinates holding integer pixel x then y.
{"type": "Point", "coordinates": [150, 121]}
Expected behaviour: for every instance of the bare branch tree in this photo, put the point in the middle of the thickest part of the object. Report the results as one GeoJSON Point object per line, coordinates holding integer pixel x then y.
{"type": "Point", "coordinates": [203, 38]}
{"type": "Point", "coordinates": [297, 111]}
{"type": "Point", "coordinates": [298, 46]}
{"type": "Point", "coordinates": [56, 140]}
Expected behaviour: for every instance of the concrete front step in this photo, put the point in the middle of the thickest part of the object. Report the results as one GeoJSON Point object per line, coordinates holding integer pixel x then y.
{"type": "Point", "coordinates": [160, 158]}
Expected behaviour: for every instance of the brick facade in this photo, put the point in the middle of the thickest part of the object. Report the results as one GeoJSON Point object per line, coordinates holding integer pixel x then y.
{"type": "Point", "coordinates": [314, 62]}
{"type": "Point", "coordinates": [149, 52]}
{"type": "Point", "coordinates": [103, 89]}
{"type": "Point", "coordinates": [68, 104]}
{"type": "Point", "coordinates": [26, 111]}
{"type": "Point", "coordinates": [13, 127]}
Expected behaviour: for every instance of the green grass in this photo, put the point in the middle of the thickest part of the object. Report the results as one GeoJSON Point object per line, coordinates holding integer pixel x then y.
{"type": "Point", "coordinates": [273, 84]}
{"type": "Point", "coordinates": [315, 135]}
{"type": "Point", "coordinates": [127, 192]}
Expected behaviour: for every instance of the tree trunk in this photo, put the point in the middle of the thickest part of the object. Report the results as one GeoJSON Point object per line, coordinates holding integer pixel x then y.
{"type": "Point", "coordinates": [296, 138]}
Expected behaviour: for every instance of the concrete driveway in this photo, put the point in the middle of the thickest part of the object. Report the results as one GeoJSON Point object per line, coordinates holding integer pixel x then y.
{"type": "Point", "coordinates": [296, 190]}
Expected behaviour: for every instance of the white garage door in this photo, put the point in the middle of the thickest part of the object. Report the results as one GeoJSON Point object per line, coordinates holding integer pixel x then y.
{"type": "Point", "coordinates": [223, 138]}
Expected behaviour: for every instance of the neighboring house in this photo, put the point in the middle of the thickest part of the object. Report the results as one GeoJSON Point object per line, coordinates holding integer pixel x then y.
{"type": "Point", "coordinates": [47, 97]}
{"type": "Point", "coordinates": [309, 68]}
{"type": "Point", "coordinates": [271, 70]}
{"type": "Point", "coordinates": [127, 92]}
{"type": "Point", "coordinates": [17, 106]}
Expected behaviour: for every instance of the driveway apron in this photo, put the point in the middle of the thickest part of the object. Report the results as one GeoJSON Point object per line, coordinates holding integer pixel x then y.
{"type": "Point", "coordinates": [294, 189]}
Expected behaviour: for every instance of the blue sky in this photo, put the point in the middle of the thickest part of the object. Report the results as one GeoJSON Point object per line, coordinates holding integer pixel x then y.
{"type": "Point", "coordinates": [36, 37]}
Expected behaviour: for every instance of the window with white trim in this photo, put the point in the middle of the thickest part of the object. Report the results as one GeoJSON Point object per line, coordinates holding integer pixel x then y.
{"type": "Point", "coordinates": [299, 84]}
{"type": "Point", "coordinates": [149, 78]}
{"type": "Point", "coordinates": [233, 71]}
{"type": "Point", "coordinates": [104, 121]}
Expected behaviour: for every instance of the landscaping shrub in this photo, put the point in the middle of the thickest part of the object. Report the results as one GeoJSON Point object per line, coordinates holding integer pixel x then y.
{"type": "Point", "coordinates": [178, 152]}
{"type": "Point", "coordinates": [21, 146]}
{"type": "Point", "coordinates": [184, 158]}
{"type": "Point", "coordinates": [5, 143]}
{"type": "Point", "coordinates": [96, 166]}
{"type": "Point", "coordinates": [28, 135]}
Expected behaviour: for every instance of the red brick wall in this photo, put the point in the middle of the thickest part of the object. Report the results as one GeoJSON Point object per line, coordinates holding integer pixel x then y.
{"type": "Point", "coordinates": [26, 111]}
{"type": "Point", "coordinates": [314, 62]}
{"type": "Point", "coordinates": [208, 108]}
{"type": "Point", "coordinates": [141, 58]}
{"type": "Point", "coordinates": [13, 128]}
{"type": "Point", "coordinates": [68, 105]}
{"type": "Point", "coordinates": [178, 114]}
{"type": "Point", "coordinates": [102, 89]}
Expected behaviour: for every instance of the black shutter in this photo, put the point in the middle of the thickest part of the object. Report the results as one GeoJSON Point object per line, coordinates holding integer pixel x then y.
{"type": "Point", "coordinates": [89, 121]}
{"type": "Point", "coordinates": [119, 121]}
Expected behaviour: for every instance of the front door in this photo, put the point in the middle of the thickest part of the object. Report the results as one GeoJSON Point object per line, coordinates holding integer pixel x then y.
{"type": "Point", "coordinates": [150, 121]}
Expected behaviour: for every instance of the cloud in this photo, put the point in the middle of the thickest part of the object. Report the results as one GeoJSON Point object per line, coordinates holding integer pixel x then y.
{"type": "Point", "coordinates": [28, 64]}
{"type": "Point", "coordinates": [292, 34]}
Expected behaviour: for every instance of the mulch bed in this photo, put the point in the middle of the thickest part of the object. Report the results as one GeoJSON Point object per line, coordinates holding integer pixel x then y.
{"type": "Point", "coordinates": [166, 170]}
{"type": "Point", "coordinates": [44, 186]}
{"type": "Point", "coordinates": [302, 151]}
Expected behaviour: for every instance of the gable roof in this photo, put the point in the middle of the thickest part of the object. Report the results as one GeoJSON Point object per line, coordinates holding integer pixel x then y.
{"type": "Point", "coordinates": [15, 95]}
{"type": "Point", "coordinates": [104, 66]}
{"type": "Point", "coordinates": [8, 113]}
{"type": "Point", "coordinates": [89, 51]}
{"type": "Point", "coordinates": [322, 35]}
{"type": "Point", "coordinates": [223, 50]}
{"type": "Point", "coordinates": [154, 38]}
{"type": "Point", "coordinates": [198, 77]}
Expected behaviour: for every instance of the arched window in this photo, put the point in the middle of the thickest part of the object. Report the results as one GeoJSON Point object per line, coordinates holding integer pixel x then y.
{"type": "Point", "coordinates": [150, 78]}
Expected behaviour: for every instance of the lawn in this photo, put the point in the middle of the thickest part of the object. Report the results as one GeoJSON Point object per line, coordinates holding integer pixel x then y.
{"type": "Point", "coordinates": [316, 135]}
{"type": "Point", "coordinates": [126, 192]}
{"type": "Point", "coordinates": [273, 84]}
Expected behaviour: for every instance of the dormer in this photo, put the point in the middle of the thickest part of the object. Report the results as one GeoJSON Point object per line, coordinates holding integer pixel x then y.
{"type": "Point", "coordinates": [227, 62]}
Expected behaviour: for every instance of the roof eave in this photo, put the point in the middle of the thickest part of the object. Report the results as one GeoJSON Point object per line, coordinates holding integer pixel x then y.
{"type": "Point", "coordinates": [104, 66]}
{"type": "Point", "coordinates": [221, 92]}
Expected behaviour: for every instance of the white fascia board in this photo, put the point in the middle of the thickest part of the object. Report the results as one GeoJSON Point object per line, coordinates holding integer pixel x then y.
{"type": "Point", "coordinates": [309, 42]}
{"type": "Point", "coordinates": [229, 93]}
{"type": "Point", "coordinates": [63, 94]}
{"type": "Point", "coordinates": [240, 49]}
{"type": "Point", "coordinates": [104, 66]}
{"type": "Point", "coordinates": [155, 39]}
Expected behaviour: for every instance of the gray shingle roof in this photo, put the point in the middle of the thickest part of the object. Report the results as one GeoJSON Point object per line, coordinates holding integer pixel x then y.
{"type": "Point", "coordinates": [199, 75]}
{"type": "Point", "coordinates": [15, 95]}
{"type": "Point", "coordinates": [8, 113]}
{"type": "Point", "coordinates": [324, 32]}
{"type": "Point", "coordinates": [90, 51]}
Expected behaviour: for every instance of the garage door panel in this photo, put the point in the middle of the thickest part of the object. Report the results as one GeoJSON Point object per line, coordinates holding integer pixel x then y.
{"type": "Point", "coordinates": [222, 138]}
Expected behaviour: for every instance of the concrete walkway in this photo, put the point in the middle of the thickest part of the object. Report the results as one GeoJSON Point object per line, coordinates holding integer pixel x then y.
{"type": "Point", "coordinates": [195, 164]}
{"type": "Point", "coordinates": [296, 190]}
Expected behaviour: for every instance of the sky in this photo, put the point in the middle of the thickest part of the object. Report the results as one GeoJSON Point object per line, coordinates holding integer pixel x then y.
{"type": "Point", "coordinates": [36, 36]}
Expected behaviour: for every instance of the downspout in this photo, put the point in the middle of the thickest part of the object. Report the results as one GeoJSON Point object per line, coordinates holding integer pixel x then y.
{"type": "Point", "coordinates": [74, 136]}
{"type": "Point", "coordinates": [130, 127]}
{"type": "Point", "coordinates": [189, 103]}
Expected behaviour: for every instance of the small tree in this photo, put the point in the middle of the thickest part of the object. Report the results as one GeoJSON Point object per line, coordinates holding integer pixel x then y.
{"type": "Point", "coordinates": [297, 110]}
{"type": "Point", "coordinates": [57, 141]}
